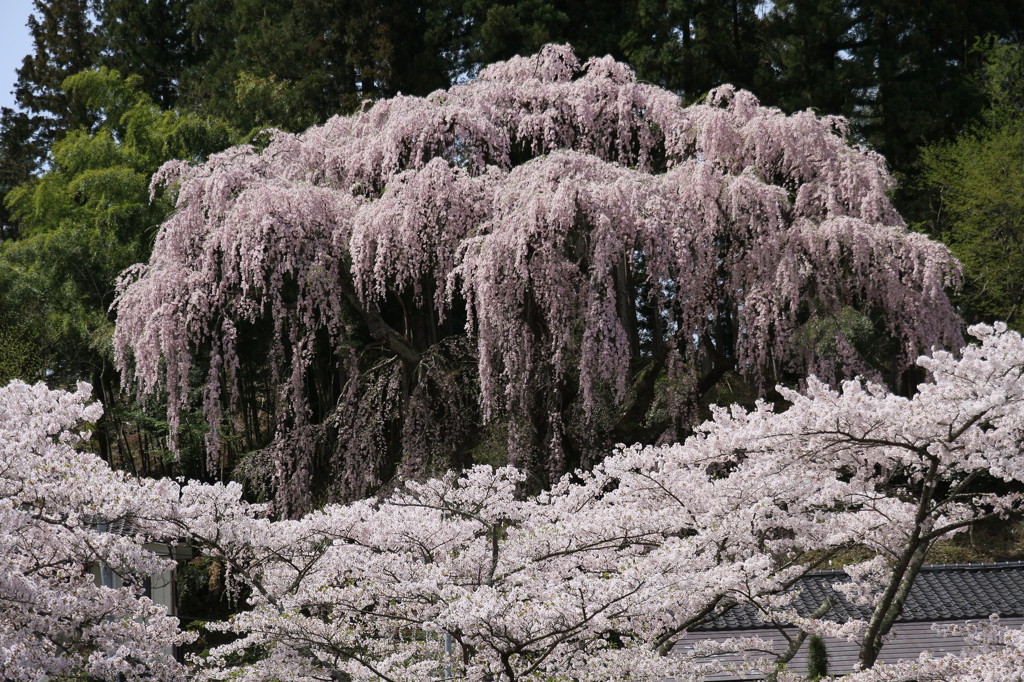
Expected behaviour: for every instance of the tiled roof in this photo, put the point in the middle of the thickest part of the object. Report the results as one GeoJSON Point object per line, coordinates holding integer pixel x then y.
{"type": "Point", "coordinates": [119, 526]}
{"type": "Point", "coordinates": [127, 527]}
{"type": "Point", "coordinates": [945, 592]}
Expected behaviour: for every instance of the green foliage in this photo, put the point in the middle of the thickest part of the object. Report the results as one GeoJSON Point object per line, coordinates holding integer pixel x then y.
{"type": "Point", "coordinates": [64, 43]}
{"type": "Point", "coordinates": [79, 225]}
{"type": "Point", "coordinates": [89, 216]}
{"type": "Point", "coordinates": [314, 58]}
{"type": "Point", "coordinates": [148, 39]}
{"type": "Point", "coordinates": [1002, 80]}
{"type": "Point", "coordinates": [862, 333]}
{"type": "Point", "coordinates": [688, 46]}
{"type": "Point", "coordinates": [24, 348]}
{"type": "Point", "coordinates": [19, 154]}
{"type": "Point", "coordinates": [918, 64]}
{"type": "Point", "coordinates": [501, 30]}
{"type": "Point", "coordinates": [695, 45]}
{"type": "Point", "coordinates": [265, 102]}
{"type": "Point", "coordinates": [809, 42]}
{"type": "Point", "coordinates": [979, 181]}
{"type": "Point", "coordinates": [492, 446]}
{"type": "Point", "coordinates": [817, 658]}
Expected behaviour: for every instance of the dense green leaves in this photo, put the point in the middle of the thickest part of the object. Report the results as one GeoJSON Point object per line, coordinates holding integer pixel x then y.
{"type": "Point", "coordinates": [90, 216]}
{"type": "Point", "coordinates": [64, 43]}
{"type": "Point", "coordinates": [19, 154]}
{"type": "Point", "coordinates": [809, 47]}
{"type": "Point", "coordinates": [291, 64]}
{"type": "Point", "coordinates": [82, 222]}
{"type": "Point", "coordinates": [147, 39]}
{"type": "Point", "coordinates": [979, 178]}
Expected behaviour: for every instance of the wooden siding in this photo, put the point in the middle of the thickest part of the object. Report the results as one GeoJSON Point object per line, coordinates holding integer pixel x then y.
{"type": "Point", "coordinates": [907, 641]}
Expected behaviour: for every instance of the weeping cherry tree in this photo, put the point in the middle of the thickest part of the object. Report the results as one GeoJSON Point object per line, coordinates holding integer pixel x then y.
{"type": "Point", "coordinates": [524, 269]}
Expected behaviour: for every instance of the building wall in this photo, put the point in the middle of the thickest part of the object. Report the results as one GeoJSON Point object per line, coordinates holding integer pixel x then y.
{"type": "Point", "coordinates": [907, 641]}
{"type": "Point", "coordinates": [160, 588]}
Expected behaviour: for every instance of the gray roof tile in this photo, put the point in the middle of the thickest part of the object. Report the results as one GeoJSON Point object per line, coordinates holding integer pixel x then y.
{"type": "Point", "coordinates": [944, 592]}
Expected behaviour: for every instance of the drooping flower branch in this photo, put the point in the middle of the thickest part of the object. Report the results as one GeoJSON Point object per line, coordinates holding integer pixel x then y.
{"type": "Point", "coordinates": [461, 577]}
{"type": "Point", "coordinates": [597, 255]}
{"type": "Point", "coordinates": [603, 575]}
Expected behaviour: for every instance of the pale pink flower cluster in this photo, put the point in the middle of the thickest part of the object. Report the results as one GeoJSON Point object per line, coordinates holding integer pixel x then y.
{"type": "Point", "coordinates": [600, 577]}
{"type": "Point", "coordinates": [460, 577]}
{"type": "Point", "coordinates": [543, 202]}
{"type": "Point", "coordinates": [57, 507]}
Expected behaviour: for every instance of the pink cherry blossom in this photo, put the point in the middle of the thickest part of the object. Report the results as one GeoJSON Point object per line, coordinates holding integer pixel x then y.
{"type": "Point", "coordinates": [520, 249]}
{"type": "Point", "coordinates": [600, 577]}
{"type": "Point", "coordinates": [463, 577]}
{"type": "Point", "coordinates": [57, 506]}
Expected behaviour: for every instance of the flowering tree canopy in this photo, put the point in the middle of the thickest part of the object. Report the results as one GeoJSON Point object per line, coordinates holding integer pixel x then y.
{"type": "Point", "coordinates": [553, 249]}
{"type": "Point", "coordinates": [462, 577]}
{"type": "Point", "coordinates": [601, 576]}
{"type": "Point", "coordinates": [56, 506]}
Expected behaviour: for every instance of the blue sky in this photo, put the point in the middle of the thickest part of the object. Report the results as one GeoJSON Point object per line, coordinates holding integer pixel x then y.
{"type": "Point", "coordinates": [15, 43]}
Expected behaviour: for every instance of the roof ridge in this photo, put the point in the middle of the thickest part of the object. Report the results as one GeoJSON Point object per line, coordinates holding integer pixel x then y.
{"type": "Point", "coordinates": [988, 566]}
{"type": "Point", "coordinates": [991, 565]}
